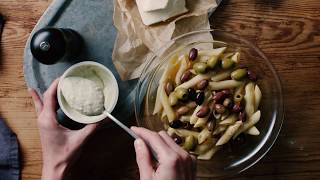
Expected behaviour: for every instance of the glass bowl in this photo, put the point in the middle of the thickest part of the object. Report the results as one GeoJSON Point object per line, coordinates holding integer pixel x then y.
{"type": "Point", "coordinates": [224, 162]}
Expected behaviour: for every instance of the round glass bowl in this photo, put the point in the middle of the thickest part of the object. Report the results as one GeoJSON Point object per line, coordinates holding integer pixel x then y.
{"type": "Point", "coordinates": [224, 162]}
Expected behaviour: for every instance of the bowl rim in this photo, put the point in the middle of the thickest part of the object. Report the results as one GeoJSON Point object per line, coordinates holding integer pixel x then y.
{"type": "Point", "coordinates": [114, 85]}
{"type": "Point", "coordinates": [279, 117]}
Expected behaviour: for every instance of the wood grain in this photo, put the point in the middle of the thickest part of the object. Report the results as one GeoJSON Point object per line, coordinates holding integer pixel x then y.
{"type": "Point", "coordinates": [288, 31]}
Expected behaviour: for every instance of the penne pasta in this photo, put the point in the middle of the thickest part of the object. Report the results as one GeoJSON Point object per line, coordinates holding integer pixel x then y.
{"type": "Point", "coordinates": [257, 97]}
{"type": "Point", "coordinates": [203, 135]}
{"type": "Point", "coordinates": [182, 69]}
{"type": "Point", "coordinates": [203, 59]}
{"type": "Point", "coordinates": [239, 93]}
{"type": "Point", "coordinates": [250, 123]}
{"type": "Point", "coordinates": [168, 73]}
{"type": "Point", "coordinates": [193, 72]}
{"type": "Point", "coordinates": [185, 118]}
{"type": "Point", "coordinates": [171, 131]}
{"type": "Point", "coordinates": [170, 70]}
{"type": "Point", "coordinates": [221, 76]}
{"type": "Point", "coordinates": [249, 99]}
{"type": "Point", "coordinates": [201, 122]}
{"type": "Point", "coordinates": [219, 130]}
{"type": "Point", "coordinates": [205, 146]}
{"type": "Point", "coordinates": [227, 55]}
{"type": "Point", "coordinates": [158, 106]}
{"type": "Point", "coordinates": [226, 84]}
{"type": "Point", "coordinates": [163, 114]}
{"type": "Point", "coordinates": [236, 57]}
{"type": "Point", "coordinates": [253, 131]}
{"type": "Point", "coordinates": [194, 81]}
{"type": "Point", "coordinates": [216, 115]}
{"type": "Point", "coordinates": [225, 115]}
{"type": "Point", "coordinates": [166, 105]}
{"type": "Point", "coordinates": [212, 52]}
{"type": "Point", "coordinates": [194, 117]}
{"type": "Point", "coordinates": [165, 123]}
{"type": "Point", "coordinates": [231, 119]}
{"type": "Point", "coordinates": [191, 105]}
{"type": "Point", "coordinates": [231, 130]}
{"type": "Point", "coordinates": [183, 132]}
{"type": "Point", "coordinates": [209, 154]}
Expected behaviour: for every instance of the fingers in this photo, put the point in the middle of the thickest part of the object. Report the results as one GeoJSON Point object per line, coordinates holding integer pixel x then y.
{"type": "Point", "coordinates": [172, 158]}
{"type": "Point", "coordinates": [193, 167]}
{"type": "Point", "coordinates": [49, 97]}
{"type": "Point", "coordinates": [143, 160]}
{"type": "Point", "coordinates": [154, 139]}
{"type": "Point", "coordinates": [172, 144]}
{"type": "Point", "coordinates": [184, 155]}
{"type": "Point", "coordinates": [36, 100]}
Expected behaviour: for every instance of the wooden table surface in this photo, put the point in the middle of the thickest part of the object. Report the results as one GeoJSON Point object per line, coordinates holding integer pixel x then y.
{"type": "Point", "coordinates": [288, 31]}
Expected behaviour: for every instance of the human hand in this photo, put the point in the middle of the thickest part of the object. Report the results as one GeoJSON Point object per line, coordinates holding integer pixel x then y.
{"type": "Point", "coordinates": [58, 143]}
{"type": "Point", "coordinates": [174, 163]}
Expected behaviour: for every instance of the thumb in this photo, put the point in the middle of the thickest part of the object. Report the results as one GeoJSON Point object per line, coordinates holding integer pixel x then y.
{"type": "Point", "coordinates": [143, 160]}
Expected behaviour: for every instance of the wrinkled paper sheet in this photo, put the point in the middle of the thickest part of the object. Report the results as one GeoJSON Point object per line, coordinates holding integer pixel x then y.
{"type": "Point", "coordinates": [135, 42]}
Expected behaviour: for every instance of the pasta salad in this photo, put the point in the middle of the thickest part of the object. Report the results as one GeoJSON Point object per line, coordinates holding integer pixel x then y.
{"type": "Point", "coordinates": [206, 99]}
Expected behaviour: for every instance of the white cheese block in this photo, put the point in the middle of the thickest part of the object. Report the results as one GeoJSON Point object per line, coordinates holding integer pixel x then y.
{"type": "Point", "coordinates": [173, 8]}
{"type": "Point", "coordinates": [152, 5]}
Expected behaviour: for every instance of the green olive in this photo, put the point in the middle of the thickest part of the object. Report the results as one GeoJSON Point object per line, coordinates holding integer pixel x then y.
{"type": "Point", "coordinates": [189, 143]}
{"type": "Point", "coordinates": [226, 63]}
{"type": "Point", "coordinates": [200, 67]}
{"type": "Point", "coordinates": [238, 74]}
{"type": "Point", "coordinates": [173, 99]}
{"type": "Point", "coordinates": [181, 93]}
{"type": "Point", "coordinates": [237, 97]}
{"type": "Point", "coordinates": [212, 62]}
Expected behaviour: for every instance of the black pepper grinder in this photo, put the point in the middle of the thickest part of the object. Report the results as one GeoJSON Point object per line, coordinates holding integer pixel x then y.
{"type": "Point", "coordinates": [49, 45]}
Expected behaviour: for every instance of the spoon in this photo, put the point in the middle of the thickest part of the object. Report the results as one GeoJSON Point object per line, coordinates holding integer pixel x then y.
{"type": "Point", "coordinates": [130, 132]}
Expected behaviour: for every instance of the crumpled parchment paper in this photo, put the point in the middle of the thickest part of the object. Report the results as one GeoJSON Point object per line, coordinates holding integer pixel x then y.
{"type": "Point", "coordinates": [136, 42]}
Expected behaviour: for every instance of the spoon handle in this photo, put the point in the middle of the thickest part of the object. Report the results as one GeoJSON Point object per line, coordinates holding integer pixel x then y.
{"type": "Point", "coordinates": [129, 131]}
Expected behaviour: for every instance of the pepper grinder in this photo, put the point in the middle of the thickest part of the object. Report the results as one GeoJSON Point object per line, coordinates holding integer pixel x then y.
{"type": "Point", "coordinates": [50, 45]}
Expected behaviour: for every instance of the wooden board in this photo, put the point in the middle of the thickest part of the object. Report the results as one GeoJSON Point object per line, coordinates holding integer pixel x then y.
{"type": "Point", "coordinates": [287, 30]}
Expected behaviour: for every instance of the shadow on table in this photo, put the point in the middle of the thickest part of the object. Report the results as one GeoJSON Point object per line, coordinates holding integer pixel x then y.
{"type": "Point", "coordinates": [108, 154]}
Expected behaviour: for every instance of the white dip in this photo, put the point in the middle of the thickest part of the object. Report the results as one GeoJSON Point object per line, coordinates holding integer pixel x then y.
{"type": "Point", "coordinates": [86, 91]}
{"type": "Point", "coordinates": [84, 94]}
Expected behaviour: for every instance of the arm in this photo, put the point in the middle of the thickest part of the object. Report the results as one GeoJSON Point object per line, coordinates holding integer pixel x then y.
{"type": "Point", "coordinates": [174, 163]}
{"type": "Point", "coordinates": [58, 144]}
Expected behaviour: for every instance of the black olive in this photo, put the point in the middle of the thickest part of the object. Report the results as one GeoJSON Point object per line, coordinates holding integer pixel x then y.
{"type": "Point", "coordinates": [193, 54]}
{"type": "Point", "coordinates": [200, 97]}
{"type": "Point", "coordinates": [177, 139]}
{"type": "Point", "coordinates": [230, 106]}
{"type": "Point", "coordinates": [175, 124]}
{"type": "Point", "coordinates": [187, 125]}
{"type": "Point", "coordinates": [252, 75]}
{"type": "Point", "coordinates": [192, 94]}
